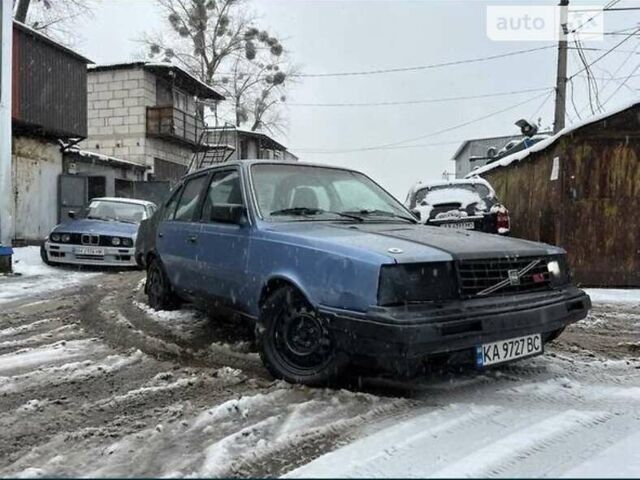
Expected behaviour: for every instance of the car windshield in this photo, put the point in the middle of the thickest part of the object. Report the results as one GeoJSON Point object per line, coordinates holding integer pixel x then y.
{"type": "Point", "coordinates": [454, 193]}
{"type": "Point", "coordinates": [116, 211]}
{"type": "Point", "coordinates": [286, 192]}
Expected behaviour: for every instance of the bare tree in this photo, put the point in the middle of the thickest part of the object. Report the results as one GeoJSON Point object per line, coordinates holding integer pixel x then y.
{"type": "Point", "coordinates": [216, 41]}
{"type": "Point", "coordinates": [56, 18]}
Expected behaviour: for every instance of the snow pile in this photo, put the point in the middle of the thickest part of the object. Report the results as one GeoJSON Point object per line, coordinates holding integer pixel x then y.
{"type": "Point", "coordinates": [35, 277]}
{"type": "Point", "coordinates": [611, 295]}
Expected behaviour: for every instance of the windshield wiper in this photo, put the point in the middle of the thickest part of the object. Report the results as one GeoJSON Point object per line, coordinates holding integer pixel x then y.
{"type": "Point", "coordinates": [307, 211]}
{"type": "Point", "coordinates": [380, 213]}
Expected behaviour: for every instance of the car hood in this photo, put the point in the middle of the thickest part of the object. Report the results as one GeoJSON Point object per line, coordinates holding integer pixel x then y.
{"type": "Point", "coordinates": [97, 227]}
{"type": "Point", "coordinates": [406, 243]}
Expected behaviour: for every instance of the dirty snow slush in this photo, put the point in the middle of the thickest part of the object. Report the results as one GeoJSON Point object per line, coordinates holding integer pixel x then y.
{"type": "Point", "coordinates": [94, 383]}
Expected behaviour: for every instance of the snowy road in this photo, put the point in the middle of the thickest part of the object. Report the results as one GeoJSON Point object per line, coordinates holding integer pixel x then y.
{"type": "Point", "coordinates": [94, 383]}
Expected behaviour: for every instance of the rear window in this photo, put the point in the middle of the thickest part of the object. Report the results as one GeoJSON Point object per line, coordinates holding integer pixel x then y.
{"type": "Point", "coordinates": [464, 194]}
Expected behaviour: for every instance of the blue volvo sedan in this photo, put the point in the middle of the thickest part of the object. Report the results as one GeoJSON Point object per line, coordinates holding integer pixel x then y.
{"type": "Point", "coordinates": [332, 270]}
{"type": "Point", "coordinates": [105, 235]}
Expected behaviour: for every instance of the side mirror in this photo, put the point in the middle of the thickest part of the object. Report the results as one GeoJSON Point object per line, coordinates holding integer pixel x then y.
{"type": "Point", "coordinates": [228, 213]}
{"type": "Point", "coordinates": [71, 214]}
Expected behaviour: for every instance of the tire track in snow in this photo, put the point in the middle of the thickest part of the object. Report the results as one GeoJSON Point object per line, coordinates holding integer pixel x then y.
{"type": "Point", "coordinates": [49, 355]}
{"type": "Point", "coordinates": [496, 457]}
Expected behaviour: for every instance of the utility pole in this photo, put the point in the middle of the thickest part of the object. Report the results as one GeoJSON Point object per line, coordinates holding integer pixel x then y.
{"type": "Point", "coordinates": [21, 10]}
{"type": "Point", "coordinates": [561, 72]}
{"type": "Point", "coordinates": [6, 202]}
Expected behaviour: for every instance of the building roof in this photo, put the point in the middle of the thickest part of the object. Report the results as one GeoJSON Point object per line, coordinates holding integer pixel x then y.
{"type": "Point", "coordinates": [270, 141]}
{"type": "Point", "coordinates": [544, 144]}
{"type": "Point", "coordinates": [171, 72]}
{"type": "Point", "coordinates": [479, 146]}
{"type": "Point", "coordinates": [41, 36]}
{"type": "Point", "coordinates": [99, 157]}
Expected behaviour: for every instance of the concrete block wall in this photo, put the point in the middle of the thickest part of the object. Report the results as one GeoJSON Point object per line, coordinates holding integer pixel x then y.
{"type": "Point", "coordinates": [117, 101]}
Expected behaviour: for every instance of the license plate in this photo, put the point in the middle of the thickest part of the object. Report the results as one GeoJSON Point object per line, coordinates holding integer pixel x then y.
{"type": "Point", "coordinates": [89, 251]}
{"type": "Point", "coordinates": [506, 350]}
{"type": "Point", "coordinates": [460, 225]}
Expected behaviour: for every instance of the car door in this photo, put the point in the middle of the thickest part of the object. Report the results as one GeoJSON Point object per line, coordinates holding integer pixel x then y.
{"type": "Point", "coordinates": [223, 246]}
{"type": "Point", "coordinates": [177, 236]}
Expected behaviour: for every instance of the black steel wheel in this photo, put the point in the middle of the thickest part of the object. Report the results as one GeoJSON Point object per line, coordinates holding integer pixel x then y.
{"type": "Point", "coordinates": [158, 288]}
{"type": "Point", "coordinates": [295, 343]}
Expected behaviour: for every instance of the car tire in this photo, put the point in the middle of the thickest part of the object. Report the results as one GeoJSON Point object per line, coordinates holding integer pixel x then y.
{"type": "Point", "coordinates": [294, 342]}
{"type": "Point", "coordinates": [159, 292]}
{"type": "Point", "coordinates": [45, 257]}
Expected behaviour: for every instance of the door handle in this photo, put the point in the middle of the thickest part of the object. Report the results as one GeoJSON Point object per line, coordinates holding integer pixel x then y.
{"type": "Point", "coordinates": [160, 234]}
{"type": "Point", "coordinates": [193, 238]}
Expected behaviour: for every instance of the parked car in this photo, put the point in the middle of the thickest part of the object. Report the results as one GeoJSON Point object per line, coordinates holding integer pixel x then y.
{"type": "Point", "coordinates": [461, 204]}
{"type": "Point", "coordinates": [105, 235]}
{"type": "Point", "coordinates": [332, 270]}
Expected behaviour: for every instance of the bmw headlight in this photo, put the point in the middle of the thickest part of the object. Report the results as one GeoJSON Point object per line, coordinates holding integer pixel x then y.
{"type": "Point", "coordinates": [66, 238]}
{"type": "Point", "coordinates": [55, 237]}
{"type": "Point", "coordinates": [115, 241]}
{"type": "Point", "coordinates": [416, 282]}
{"type": "Point", "coordinates": [127, 242]}
{"type": "Point", "coordinates": [558, 270]}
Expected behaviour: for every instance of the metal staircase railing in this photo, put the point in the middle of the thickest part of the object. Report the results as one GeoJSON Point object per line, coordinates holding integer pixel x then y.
{"type": "Point", "coordinates": [213, 147]}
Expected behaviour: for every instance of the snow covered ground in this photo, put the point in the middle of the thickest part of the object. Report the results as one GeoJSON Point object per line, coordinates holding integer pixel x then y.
{"type": "Point", "coordinates": [98, 384]}
{"type": "Point", "coordinates": [35, 278]}
{"type": "Point", "coordinates": [612, 295]}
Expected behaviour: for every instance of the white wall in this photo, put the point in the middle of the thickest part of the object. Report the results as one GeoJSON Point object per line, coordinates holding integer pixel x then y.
{"type": "Point", "coordinates": [36, 165]}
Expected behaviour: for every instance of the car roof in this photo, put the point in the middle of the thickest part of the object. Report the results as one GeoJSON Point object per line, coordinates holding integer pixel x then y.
{"type": "Point", "coordinates": [250, 162]}
{"type": "Point", "coordinates": [136, 201]}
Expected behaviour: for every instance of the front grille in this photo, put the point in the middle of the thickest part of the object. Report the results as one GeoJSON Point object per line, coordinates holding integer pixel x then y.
{"type": "Point", "coordinates": [477, 277]}
{"type": "Point", "coordinates": [92, 240]}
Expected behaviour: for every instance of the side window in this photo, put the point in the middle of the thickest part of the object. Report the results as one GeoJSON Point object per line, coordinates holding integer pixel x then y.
{"type": "Point", "coordinates": [170, 208]}
{"type": "Point", "coordinates": [189, 199]}
{"type": "Point", "coordinates": [224, 189]}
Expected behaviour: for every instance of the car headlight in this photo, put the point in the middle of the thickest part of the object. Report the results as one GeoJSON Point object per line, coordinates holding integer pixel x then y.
{"type": "Point", "coordinates": [127, 242]}
{"type": "Point", "coordinates": [115, 241]}
{"type": "Point", "coordinates": [416, 282]}
{"type": "Point", "coordinates": [66, 238]}
{"type": "Point", "coordinates": [559, 270]}
{"type": "Point", "coordinates": [55, 237]}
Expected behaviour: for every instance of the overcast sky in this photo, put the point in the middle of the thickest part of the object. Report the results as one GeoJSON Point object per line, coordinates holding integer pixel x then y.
{"type": "Point", "coordinates": [337, 36]}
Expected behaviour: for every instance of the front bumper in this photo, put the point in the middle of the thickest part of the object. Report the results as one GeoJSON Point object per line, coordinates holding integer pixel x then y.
{"type": "Point", "coordinates": [420, 331]}
{"type": "Point", "coordinates": [68, 254]}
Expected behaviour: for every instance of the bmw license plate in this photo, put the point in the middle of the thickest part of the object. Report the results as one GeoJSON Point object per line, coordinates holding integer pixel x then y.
{"type": "Point", "coordinates": [460, 225]}
{"type": "Point", "coordinates": [89, 251]}
{"type": "Point", "coordinates": [510, 349]}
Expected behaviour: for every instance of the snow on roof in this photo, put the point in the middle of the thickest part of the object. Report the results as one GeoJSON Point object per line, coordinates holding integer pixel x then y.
{"type": "Point", "coordinates": [497, 142]}
{"type": "Point", "coordinates": [184, 72]}
{"type": "Point", "coordinates": [104, 158]}
{"type": "Point", "coordinates": [442, 183]}
{"type": "Point", "coordinates": [54, 43]}
{"type": "Point", "coordinates": [124, 200]}
{"type": "Point", "coordinates": [543, 144]}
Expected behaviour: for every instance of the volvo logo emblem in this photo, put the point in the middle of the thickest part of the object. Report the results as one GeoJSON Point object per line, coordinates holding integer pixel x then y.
{"type": "Point", "coordinates": [514, 277]}
{"type": "Point", "coordinates": [395, 250]}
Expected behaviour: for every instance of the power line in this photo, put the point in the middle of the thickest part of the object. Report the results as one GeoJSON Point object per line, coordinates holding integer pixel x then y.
{"type": "Point", "coordinates": [622, 84]}
{"type": "Point", "coordinates": [607, 52]}
{"type": "Point", "coordinates": [417, 102]}
{"type": "Point", "coordinates": [606, 7]}
{"type": "Point", "coordinates": [390, 146]}
{"type": "Point", "coordinates": [421, 67]}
